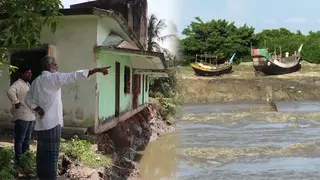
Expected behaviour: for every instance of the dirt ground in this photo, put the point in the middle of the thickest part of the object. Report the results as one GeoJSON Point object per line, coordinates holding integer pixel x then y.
{"type": "Point", "coordinates": [243, 85]}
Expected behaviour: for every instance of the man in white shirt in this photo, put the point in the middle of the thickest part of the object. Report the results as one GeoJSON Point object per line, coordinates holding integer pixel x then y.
{"type": "Point", "coordinates": [23, 116]}
{"type": "Point", "coordinates": [44, 97]}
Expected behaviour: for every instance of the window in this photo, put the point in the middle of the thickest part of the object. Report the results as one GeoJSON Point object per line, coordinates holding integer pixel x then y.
{"type": "Point", "coordinates": [147, 83]}
{"type": "Point", "coordinates": [127, 78]}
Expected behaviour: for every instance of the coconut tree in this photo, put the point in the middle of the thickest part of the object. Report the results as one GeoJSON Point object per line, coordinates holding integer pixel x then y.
{"type": "Point", "coordinates": [155, 27]}
{"type": "Point", "coordinates": [166, 86]}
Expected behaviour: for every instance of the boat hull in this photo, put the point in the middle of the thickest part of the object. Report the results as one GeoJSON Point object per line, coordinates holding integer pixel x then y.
{"type": "Point", "coordinates": [200, 72]}
{"type": "Point", "coordinates": [265, 64]}
{"type": "Point", "coordinates": [273, 69]}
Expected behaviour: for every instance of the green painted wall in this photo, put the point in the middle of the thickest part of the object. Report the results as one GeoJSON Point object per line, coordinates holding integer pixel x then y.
{"type": "Point", "coordinates": [144, 95]}
{"type": "Point", "coordinates": [106, 85]}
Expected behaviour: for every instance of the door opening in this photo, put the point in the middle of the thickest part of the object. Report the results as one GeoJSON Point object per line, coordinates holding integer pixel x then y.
{"type": "Point", "coordinates": [117, 90]}
{"type": "Point", "coordinates": [30, 58]}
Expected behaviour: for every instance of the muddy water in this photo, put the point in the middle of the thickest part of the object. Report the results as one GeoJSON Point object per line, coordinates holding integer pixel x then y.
{"type": "Point", "coordinates": [239, 141]}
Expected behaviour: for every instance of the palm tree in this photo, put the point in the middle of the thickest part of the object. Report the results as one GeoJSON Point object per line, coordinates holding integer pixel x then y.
{"type": "Point", "coordinates": [155, 27]}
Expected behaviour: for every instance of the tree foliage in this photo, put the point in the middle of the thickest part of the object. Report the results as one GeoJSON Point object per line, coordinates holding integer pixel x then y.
{"type": "Point", "coordinates": [22, 22]}
{"type": "Point", "coordinates": [274, 38]}
{"type": "Point", "coordinates": [222, 38]}
{"type": "Point", "coordinates": [217, 37]}
{"type": "Point", "coordinates": [155, 28]}
{"type": "Point", "coordinates": [164, 88]}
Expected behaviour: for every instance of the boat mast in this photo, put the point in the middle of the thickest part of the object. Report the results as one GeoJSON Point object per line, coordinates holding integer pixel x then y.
{"type": "Point", "coordinates": [205, 57]}
{"type": "Point", "coordinates": [280, 52]}
{"type": "Point", "coordinates": [216, 60]}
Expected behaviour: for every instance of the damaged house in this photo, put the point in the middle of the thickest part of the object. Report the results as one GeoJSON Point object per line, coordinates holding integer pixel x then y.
{"type": "Point", "coordinates": [89, 35]}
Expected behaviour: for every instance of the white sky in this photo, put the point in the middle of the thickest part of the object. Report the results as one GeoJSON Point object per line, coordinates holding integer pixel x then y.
{"type": "Point", "coordinates": [163, 9]}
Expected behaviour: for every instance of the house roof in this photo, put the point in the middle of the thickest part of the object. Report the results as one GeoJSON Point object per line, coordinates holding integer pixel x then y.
{"type": "Point", "coordinates": [122, 39]}
{"type": "Point", "coordinates": [140, 59]}
{"type": "Point", "coordinates": [121, 28]}
{"type": "Point", "coordinates": [120, 20]}
{"type": "Point", "coordinates": [116, 41]}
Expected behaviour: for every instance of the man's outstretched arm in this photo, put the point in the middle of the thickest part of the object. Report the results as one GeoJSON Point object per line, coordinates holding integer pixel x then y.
{"type": "Point", "coordinates": [60, 79]}
{"type": "Point", "coordinates": [103, 70]}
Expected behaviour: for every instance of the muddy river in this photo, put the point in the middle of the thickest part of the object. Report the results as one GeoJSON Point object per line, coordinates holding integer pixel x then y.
{"type": "Point", "coordinates": [239, 141]}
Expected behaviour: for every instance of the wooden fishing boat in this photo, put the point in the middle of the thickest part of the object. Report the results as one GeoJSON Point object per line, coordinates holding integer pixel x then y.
{"type": "Point", "coordinates": [203, 68]}
{"type": "Point", "coordinates": [265, 63]}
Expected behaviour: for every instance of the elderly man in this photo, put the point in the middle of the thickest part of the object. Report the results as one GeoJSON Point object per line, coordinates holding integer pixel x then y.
{"type": "Point", "coordinates": [44, 97]}
{"type": "Point", "coordinates": [23, 116]}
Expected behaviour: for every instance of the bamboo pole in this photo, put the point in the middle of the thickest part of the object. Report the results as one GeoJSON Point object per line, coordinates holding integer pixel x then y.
{"type": "Point", "coordinates": [205, 57]}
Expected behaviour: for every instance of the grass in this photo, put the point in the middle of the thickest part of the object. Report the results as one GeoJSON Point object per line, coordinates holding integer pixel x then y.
{"type": "Point", "coordinates": [6, 164]}
{"type": "Point", "coordinates": [166, 107]}
{"type": "Point", "coordinates": [77, 149]}
{"type": "Point", "coordinates": [8, 167]}
{"type": "Point", "coordinates": [82, 151]}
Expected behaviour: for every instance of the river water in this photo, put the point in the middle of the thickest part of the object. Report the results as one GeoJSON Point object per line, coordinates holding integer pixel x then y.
{"type": "Point", "coordinates": [239, 141]}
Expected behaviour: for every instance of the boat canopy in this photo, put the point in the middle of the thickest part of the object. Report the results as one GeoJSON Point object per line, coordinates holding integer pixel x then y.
{"type": "Point", "coordinates": [261, 52]}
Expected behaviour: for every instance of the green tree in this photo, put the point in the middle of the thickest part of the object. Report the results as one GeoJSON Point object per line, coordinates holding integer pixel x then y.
{"type": "Point", "coordinates": [222, 38]}
{"type": "Point", "coordinates": [164, 87]}
{"type": "Point", "coordinates": [276, 38]}
{"type": "Point", "coordinates": [155, 28]}
{"type": "Point", "coordinates": [217, 37]}
{"type": "Point", "coordinates": [311, 49]}
{"type": "Point", "coordinates": [23, 21]}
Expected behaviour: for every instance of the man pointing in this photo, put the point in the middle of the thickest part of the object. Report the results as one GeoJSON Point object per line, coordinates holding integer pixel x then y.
{"type": "Point", "coordinates": [44, 97]}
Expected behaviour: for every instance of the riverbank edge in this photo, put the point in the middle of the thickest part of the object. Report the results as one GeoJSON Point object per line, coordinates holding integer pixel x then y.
{"type": "Point", "coordinates": [150, 127]}
{"type": "Point", "coordinates": [122, 144]}
{"type": "Point", "coordinates": [204, 91]}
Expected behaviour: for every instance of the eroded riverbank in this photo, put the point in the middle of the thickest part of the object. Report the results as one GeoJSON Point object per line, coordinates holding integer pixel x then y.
{"type": "Point", "coordinates": [243, 85]}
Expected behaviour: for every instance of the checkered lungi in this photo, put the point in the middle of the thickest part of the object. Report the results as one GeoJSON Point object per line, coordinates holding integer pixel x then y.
{"type": "Point", "coordinates": [48, 149]}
